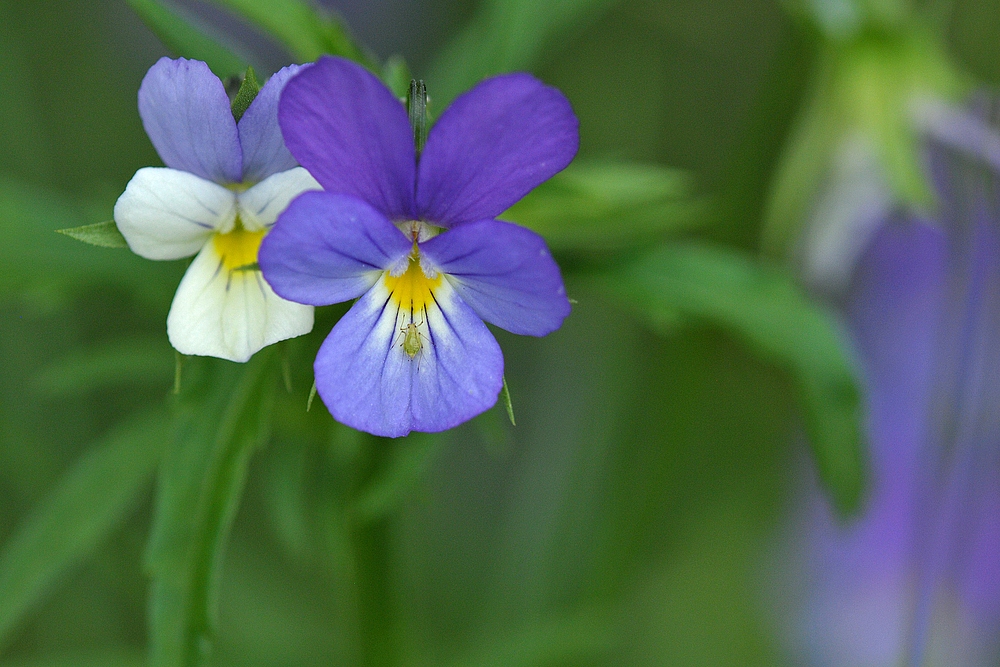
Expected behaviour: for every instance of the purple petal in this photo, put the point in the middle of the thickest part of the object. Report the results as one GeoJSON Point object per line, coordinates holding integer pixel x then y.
{"type": "Point", "coordinates": [264, 151]}
{"type": "Point", "coordinates": [503, 272]}
{"type": "Point", "coordinates": [492, 146]}
{"type": "Point", "coordinates": [351, 133]}
{"type": "Point", "coordinates": [186, 113]}
{"type": "Point", "coordinates": [368, 381]}
{"type": "Point", "coordinates": [328, 248]}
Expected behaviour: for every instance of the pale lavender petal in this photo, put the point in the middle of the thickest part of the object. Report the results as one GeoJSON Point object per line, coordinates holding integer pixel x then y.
{"type": "Point", "coordinates": [459, 371]}
{"type": "Point", "coordinates": [503, 272]}
{"type": "Point", "coordinates": [361, 375]}
{"type": "Point", "coordinates": [185, 110]}
{"type": "Point", "coordinates": [327, 248]}
{"type": "Point", "coordinates": [492, 146]}
{"type": "Point", "coordinates": [368, 382]}
{"type": "Point", "coordinates": [264, 151]}
{"type": "Point", "coordinates": [351, 133]}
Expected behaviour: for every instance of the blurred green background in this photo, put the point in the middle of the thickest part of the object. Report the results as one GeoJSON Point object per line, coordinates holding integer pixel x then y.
{"type": "Point", "coordinates": [633, 515]}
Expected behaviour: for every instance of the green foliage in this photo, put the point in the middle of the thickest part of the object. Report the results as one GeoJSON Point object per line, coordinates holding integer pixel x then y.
{"type": "Point", "coordinates": [40, 264]}
{"type": "Point", "coordinates": [304, 28]}
{"type": "Point", "coordinates": [122, 362]}
{"type": "Point", "coordinates": [406, 467]}
{"type": "Point", "coordinates": [610, 205]}
{"type": "Point", "coordinates": [246, 94]}
{"type": "Point", "coordinates": [505, 35]}
{"type": "Point", "coordinates": [221, 420]}
{"type": "Point", "coordinates": [103, 659]}
{"type": "Point", "coordinates": [103, 234]}
{"type": "Point", "coordinates": [88, 502]}
{"type": "Point", "coordinates": [571, 639]}
{"type": "Point", "coordinates": [186, 36]}
{"type": "Point", "coordinates": [763, 306]}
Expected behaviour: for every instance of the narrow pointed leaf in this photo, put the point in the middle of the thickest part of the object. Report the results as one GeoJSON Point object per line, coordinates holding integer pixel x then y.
{"type": "Point", "coordinates": [221, 421]}
{"type": "Point", "coordinates": [103, 234]}
{"type": "Point", "coordinates": [34, 259]}
{"type": "Point", "coordinates": [85, 506]}
{"type": "Point", "coordinates": [505, 398]}
{"type": "Point", "coordinates": [763, 306]}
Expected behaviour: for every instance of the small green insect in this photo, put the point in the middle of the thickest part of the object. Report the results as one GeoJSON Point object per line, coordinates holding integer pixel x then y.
{"type": "Point", "coordinates": [412, 343]}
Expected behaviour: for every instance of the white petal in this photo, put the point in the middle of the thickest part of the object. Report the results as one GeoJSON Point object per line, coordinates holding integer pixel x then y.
{"type": "Point", "coordinates": [260, 205]}
{"type": "Point", "coordinates": [169, 214]}
{"type": "Point", "coordinates": [231, 315]}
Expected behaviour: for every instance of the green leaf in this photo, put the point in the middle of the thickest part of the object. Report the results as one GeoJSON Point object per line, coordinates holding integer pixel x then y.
{"type": "Point", "coordinates": [305, 29]}
{"type": "Point", "coordinates": [221, 420]}
{"type": "Point", "coordinates": [124, 361]}
{"type": "Point", "coordinates": [506, 35]}
{"type": "Point", "coordinates": [763, 306]}
{"type": "Point", "coordinates": [605, 206]}
{"type": "Point", "coordinates": [411, 458]}
{"type": "Point", "coordinates": [38, 262]}
{"type": "Point", "coordinates": [85, 506]}
{"type": "Point", "coordinates": [505, 398]}
{"type": "Point", "coordinates": [186, 36]}
{"type": "Point", "coordinates": [103, 234]}
{"type": "Point", "coordinates": [246, 94]}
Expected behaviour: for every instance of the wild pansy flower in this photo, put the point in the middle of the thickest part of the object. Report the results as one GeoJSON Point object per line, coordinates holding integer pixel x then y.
{"type": "Point", "coordinates": [417, 240]}
{"type": "Point", "coordinates": [222, 189]}
{"type": "Point", "coordinates": [916, 580]}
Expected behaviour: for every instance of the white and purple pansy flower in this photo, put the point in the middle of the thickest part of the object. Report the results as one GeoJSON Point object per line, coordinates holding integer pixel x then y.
{"type": "Point", "coordinates": [417, 241]}
{"type": "Point", "coordinates": [222, 189]}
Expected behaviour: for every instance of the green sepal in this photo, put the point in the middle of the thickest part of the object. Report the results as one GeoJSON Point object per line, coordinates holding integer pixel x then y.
{"type": "Point", "coordinates": [505, 398]}
{"type": "Point", "coordinates": [104, 234]}
{"type": "Point", "coordinates": [246, 94]}
{"type": "Point", "coordinates": [312, 395]}
{"type": "Point", "coordinates": [416, 108]}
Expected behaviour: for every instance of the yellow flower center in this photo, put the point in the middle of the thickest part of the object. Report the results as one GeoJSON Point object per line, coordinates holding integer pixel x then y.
{"type": "Point", "coordinates": [238, 248]}
{"type": "Point", "coordinates": [412, 291]}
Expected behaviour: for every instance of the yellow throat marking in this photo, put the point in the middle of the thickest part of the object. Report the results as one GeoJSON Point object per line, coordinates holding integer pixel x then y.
{"type": "Point", "coordinates": [238, 248]}
{"type": "Point", "coordinates": [412, 291]}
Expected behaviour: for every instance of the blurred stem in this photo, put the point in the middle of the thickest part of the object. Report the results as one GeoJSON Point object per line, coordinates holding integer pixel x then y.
{"type": "Point", "coordinates": [376, 618]}
{"type": "Point", "coordinates": [370, 545]}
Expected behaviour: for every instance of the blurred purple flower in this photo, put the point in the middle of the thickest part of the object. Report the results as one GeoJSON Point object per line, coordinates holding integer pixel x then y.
{"type": "Point", "coordinates": [417, 241]}
{"type": "Point", "coordinates": [916, 580]}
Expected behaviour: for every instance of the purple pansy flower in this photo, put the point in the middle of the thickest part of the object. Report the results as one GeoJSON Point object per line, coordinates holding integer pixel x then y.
{"type": "Point", "coordinates": [222, 189]}
{"type": "Point", "coordinates": [916, 580]}
{"type": "Point", "coordinates": [417, 241]}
